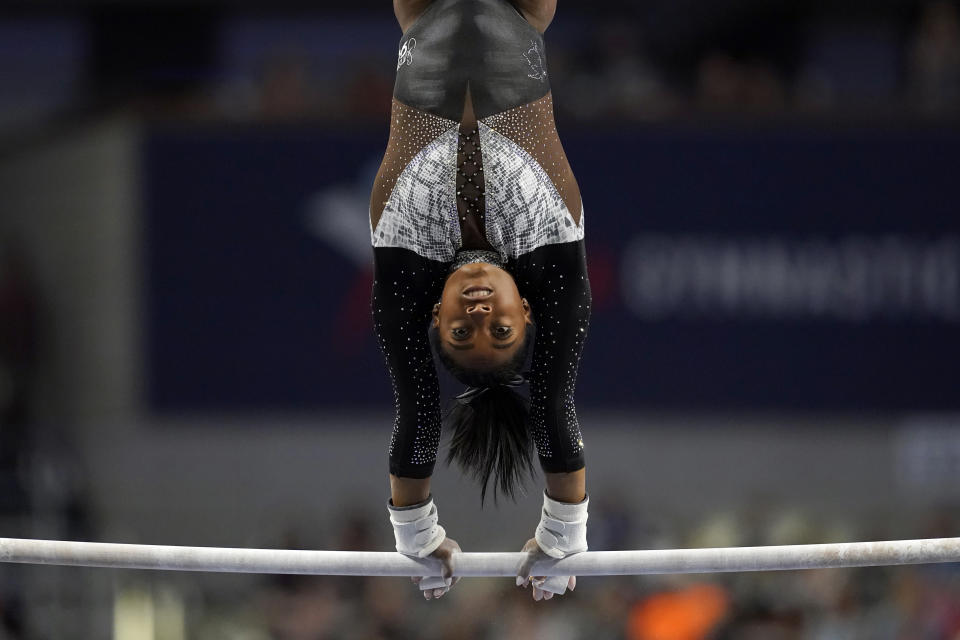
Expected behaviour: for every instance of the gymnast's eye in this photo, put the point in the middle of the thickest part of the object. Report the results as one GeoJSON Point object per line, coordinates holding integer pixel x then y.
{"type": "Point", "coordinates": [460, 333]}
{"type": "Point", "coordinates": [502, 332]}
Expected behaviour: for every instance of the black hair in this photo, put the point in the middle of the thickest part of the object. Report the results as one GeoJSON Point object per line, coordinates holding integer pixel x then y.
{"type": "Point", "coordinates": [488, 434]}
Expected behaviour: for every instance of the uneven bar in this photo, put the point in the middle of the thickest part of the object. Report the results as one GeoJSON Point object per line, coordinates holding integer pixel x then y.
{"type": "Point", "coordinates": [372, 563]}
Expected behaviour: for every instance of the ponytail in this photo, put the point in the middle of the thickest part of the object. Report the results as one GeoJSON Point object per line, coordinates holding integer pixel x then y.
{"type": "Point", "coordinates": [489, 439]}
{"type": "Point", "coordinates": [489, 436]}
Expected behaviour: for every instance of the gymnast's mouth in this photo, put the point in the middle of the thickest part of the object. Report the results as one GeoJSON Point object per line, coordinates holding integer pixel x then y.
{"type": "Point", "coordinates": [477, 292]}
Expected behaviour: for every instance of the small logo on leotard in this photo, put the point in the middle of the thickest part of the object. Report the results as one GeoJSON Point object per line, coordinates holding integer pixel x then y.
{"type": "Point", "coordinates": [535, 60]}
{"type": "Point", "coordinates": [406, 53]}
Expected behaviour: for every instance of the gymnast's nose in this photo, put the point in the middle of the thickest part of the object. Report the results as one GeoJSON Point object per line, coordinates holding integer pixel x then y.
{"type": "Point", "coordinates": [480, 307]}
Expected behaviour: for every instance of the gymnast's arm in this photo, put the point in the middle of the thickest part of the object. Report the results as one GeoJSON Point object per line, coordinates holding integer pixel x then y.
{"type": "Point", "coordinates": [570, 486]}
{"type": "Point", "coordinates": [405, 288]}
{"type": "Point", "coordinates": [559, 294]}
{"type": "Point", "coordinates": [554, 281]}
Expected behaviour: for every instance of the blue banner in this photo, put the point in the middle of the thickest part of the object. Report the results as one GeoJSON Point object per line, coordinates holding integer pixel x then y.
{"type": "Point", "coordinates": [793, 268]}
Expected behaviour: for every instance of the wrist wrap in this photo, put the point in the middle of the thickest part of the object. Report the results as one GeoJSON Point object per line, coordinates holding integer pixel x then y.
{"type": "Point", "coordinates": [563, 527]}
{"type": "Point", "coordinates": [415, 528]}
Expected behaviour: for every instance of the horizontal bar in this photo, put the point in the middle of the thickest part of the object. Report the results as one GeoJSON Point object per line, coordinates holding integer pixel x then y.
{"type": "Point", "coordinates": [371, 563]}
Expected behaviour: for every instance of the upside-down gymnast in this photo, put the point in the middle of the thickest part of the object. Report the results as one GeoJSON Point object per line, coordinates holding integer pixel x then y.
{"type": "Point", "coordinates": [477, 231]}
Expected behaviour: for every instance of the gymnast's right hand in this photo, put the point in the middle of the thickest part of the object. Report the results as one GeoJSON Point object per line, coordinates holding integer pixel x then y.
{"type": "Point", "coordinates": [433, 588]}
{"type": "Point", "coordinates": [418, 534]}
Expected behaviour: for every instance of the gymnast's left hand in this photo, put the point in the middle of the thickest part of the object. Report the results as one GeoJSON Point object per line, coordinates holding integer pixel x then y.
{"type": "Point", "coordinates": [446, 554]}
{"type": "Point", "coordinates": [544, 587]}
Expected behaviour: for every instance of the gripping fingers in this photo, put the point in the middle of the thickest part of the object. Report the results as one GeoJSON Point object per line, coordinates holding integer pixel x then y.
{"type": "Point", "coordinates": [435, 586]}
{"type": "Point", "coordinates": [435, 582]}
{"type": "Point", "coordinates": [434, 594]}
{"type": "Point", "coordinates": [556, 584]}
{"type": "Point", "coordinates": [447, 571]}
{"type": "Point", "coordinates": [539, 593]}
{"type": "Point", "coordinates": [524, 571]}
{"type": "Point", "coordinates": [544, 588]}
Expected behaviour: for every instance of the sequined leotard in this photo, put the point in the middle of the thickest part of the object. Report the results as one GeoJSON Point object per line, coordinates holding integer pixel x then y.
{"type": "Point", "coordinates": [497, 181]}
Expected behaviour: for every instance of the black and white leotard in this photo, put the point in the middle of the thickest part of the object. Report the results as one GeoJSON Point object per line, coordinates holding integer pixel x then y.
{"type": "Point", "coordinates": [501, 183]}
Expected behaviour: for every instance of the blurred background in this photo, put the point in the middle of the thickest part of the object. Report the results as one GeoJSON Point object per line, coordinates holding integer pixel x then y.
{"type": "Point", "coordinates": [186, 353]}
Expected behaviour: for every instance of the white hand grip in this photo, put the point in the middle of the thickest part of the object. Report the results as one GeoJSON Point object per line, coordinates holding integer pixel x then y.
{"type": "Point", "coordinates": [563, 527]}
{"type": "Point", "coordinates": [416, 530]}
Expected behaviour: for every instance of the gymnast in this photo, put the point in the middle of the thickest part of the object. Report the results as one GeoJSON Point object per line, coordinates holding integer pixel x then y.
{"type": "Point", "coordinates": [477, 231]}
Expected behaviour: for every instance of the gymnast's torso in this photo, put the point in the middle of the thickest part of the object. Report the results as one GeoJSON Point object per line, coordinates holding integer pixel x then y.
{"type": "Point", "coordinates": [474, 162]}
{"type": "Point", "coordinates": [472, 116]}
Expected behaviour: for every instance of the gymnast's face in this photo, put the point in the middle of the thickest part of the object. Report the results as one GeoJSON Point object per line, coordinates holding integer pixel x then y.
{"type": "Point", "coordinates": [481, 318]}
